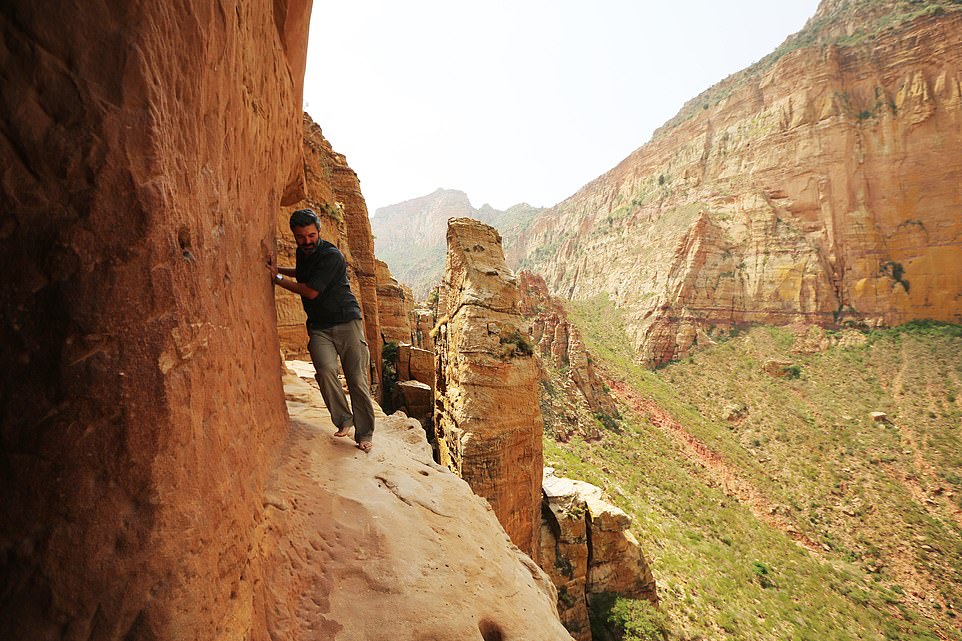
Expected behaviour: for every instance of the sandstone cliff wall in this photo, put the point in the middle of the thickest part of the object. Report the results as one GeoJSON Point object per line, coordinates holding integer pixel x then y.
{"type": "Point", "coordinates": [487, 420]}
{"type": "Point", "coordinates": [559, 342]}
{"type": "Point", "coordinates": [821, 187]}
{"type": "Point", "coordinates": [333, 190]}
{"type": "Point", "coordinates": [146, 149]}
{"type": "Point", "coordinates": [395, 306]}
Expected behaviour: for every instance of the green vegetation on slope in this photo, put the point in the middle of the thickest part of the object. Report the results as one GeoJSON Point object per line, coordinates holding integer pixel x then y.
{"type": "Point", "coordinates": [877, 502]}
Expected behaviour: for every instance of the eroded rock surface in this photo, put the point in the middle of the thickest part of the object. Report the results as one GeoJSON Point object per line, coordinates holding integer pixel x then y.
{"type": "Point", "coordinates": [411, 235]}
{"type": "Point", "coordinates": [146, 150]}
{"type": "Point", "coordinates": [373, 547]}
{"type": "Point", "coordinates": [589, 551]}
{"type": "Point", "coordinates": [487, 422]}
{"type": "Point", "coordinates": [818, 186]}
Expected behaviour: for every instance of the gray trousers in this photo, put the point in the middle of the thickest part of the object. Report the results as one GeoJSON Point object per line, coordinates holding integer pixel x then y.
{"type": "Point", "coordinates": [347, 341]}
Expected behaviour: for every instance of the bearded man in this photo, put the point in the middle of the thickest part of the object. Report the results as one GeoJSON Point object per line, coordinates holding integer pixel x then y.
{"type": "Point", "coordinates": [334, 326]}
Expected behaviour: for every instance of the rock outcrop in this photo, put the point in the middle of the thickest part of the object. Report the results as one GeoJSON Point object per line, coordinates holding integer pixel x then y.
{"type": "Point", "coordinates": [374, 546]}
{"type": "Point", "coordinates": [818, 186]}
{"type": "Point", "coordinates": [488, 424]}
{"type": "Point", "coordinates": [395, 304]}
{"type": "Point", "coordinates": [411, 235]}
{"type": "Point", "coordinates": [333, 190]}
{"type": "Point", "coordinates": [415, 384]}
{"type": "Point", "coordinates": [588, 551]}
{"type": "Point", "coordinates": [559, 342]}
{"type": "Point", "coordinates": [146, 150]}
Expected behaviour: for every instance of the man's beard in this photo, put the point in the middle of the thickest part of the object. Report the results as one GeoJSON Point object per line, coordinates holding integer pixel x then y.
{"type": "Point", "coordinates": [307, 250]}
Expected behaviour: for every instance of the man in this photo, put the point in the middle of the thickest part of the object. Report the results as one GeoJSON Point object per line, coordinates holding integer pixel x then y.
{"type": "Point", "coordinates": [334, 326]}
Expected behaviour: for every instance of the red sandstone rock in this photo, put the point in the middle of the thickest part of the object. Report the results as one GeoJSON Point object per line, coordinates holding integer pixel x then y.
{"type": "Point", "coordinates": [334, 192]}
{"type": "Point", "coordinates": [415, 365]}
{"type": "Point", "coordinates": [146, 149]}
{"type": "Point", "coordinates": [488, 423]}
{"type": "Point", "coordinates": [561, 342]}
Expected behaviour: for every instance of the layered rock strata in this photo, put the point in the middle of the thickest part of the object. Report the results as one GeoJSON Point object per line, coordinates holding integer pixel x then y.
{"type": "Point", "coordinates": [820, 185]}
{"type": "Point", "coordinates": [395, 307]}
{"type": "Point", "coordinates": [375, 546]}
{"type": "Point", "coordinates": [334, 192]}
{"type": "Point", "coordinates": [487, 421]}
{"type": "Point", "coordinates": [589, 551]}
{"type": "Point", "coordinates": [146, 150]}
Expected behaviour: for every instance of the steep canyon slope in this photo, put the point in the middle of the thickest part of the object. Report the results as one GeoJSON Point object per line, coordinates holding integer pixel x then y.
{"type": "Point", "coordinates": [822, 184]}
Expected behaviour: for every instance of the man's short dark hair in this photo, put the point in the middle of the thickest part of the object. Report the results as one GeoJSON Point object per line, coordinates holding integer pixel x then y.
{"type": "Point", "coordinates": [305, 217]}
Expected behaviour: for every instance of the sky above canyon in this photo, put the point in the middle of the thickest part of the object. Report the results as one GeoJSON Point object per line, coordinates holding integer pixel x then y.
{"type": "Point", "coordinates": [522, 101]}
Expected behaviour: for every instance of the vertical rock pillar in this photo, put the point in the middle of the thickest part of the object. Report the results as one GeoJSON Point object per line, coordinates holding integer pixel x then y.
{"type": "Point", "coordinates": [487, 418]}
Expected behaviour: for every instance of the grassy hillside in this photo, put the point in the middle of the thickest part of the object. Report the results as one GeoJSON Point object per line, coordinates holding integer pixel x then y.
{"type": "Point", "coordinates": [773, 506]}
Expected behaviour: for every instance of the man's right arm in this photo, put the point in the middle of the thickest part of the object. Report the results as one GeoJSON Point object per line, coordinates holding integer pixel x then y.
{"type": "Point", "coordinates": [287, 271]}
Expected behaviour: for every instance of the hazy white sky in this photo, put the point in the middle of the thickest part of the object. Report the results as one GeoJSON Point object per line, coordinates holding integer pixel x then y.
{"type": "Point", "coordinates": [522, 101]}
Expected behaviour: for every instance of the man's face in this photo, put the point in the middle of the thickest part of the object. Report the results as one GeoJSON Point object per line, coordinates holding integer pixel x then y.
{"type": "Point", "coordinates": [307, 238]}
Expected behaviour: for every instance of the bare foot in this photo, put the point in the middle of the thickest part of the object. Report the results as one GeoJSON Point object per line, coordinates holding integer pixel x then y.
{"type": "Point", "coordinates": [365, 446]}
{"type": "Point", "coordinates": [344, 431]}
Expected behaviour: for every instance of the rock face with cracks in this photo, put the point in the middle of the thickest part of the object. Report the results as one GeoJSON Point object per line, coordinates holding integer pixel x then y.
{"type": "Point", "coordinates": [333, 191]}
{"type": "Point", "coordinates": [376, 546]}
{"type": "Point", "coordinates": [820, 185]}
{"type": "Point", "coordinates": [588, 550]}
{"type": "Point", "coordinates": [146, 150]}
{"type": "Point", "coordinates": [487, 418]}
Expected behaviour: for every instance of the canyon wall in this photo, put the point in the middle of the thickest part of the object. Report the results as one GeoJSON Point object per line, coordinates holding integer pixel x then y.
{"type": "Point", "coordinates": [333, 191]}
{"type": "Point", "coordinates": [820, 185]}
{"type": "Point", "coordinates": [147, 148]}
{"type": "Point", "coordinates": [559, 342]}
{"type": "Point", "coordinates": [487, 421]}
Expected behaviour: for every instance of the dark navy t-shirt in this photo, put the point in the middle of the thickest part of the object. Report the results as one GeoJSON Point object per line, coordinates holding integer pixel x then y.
{"type": "Point", "coordinates": [325, 271]}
